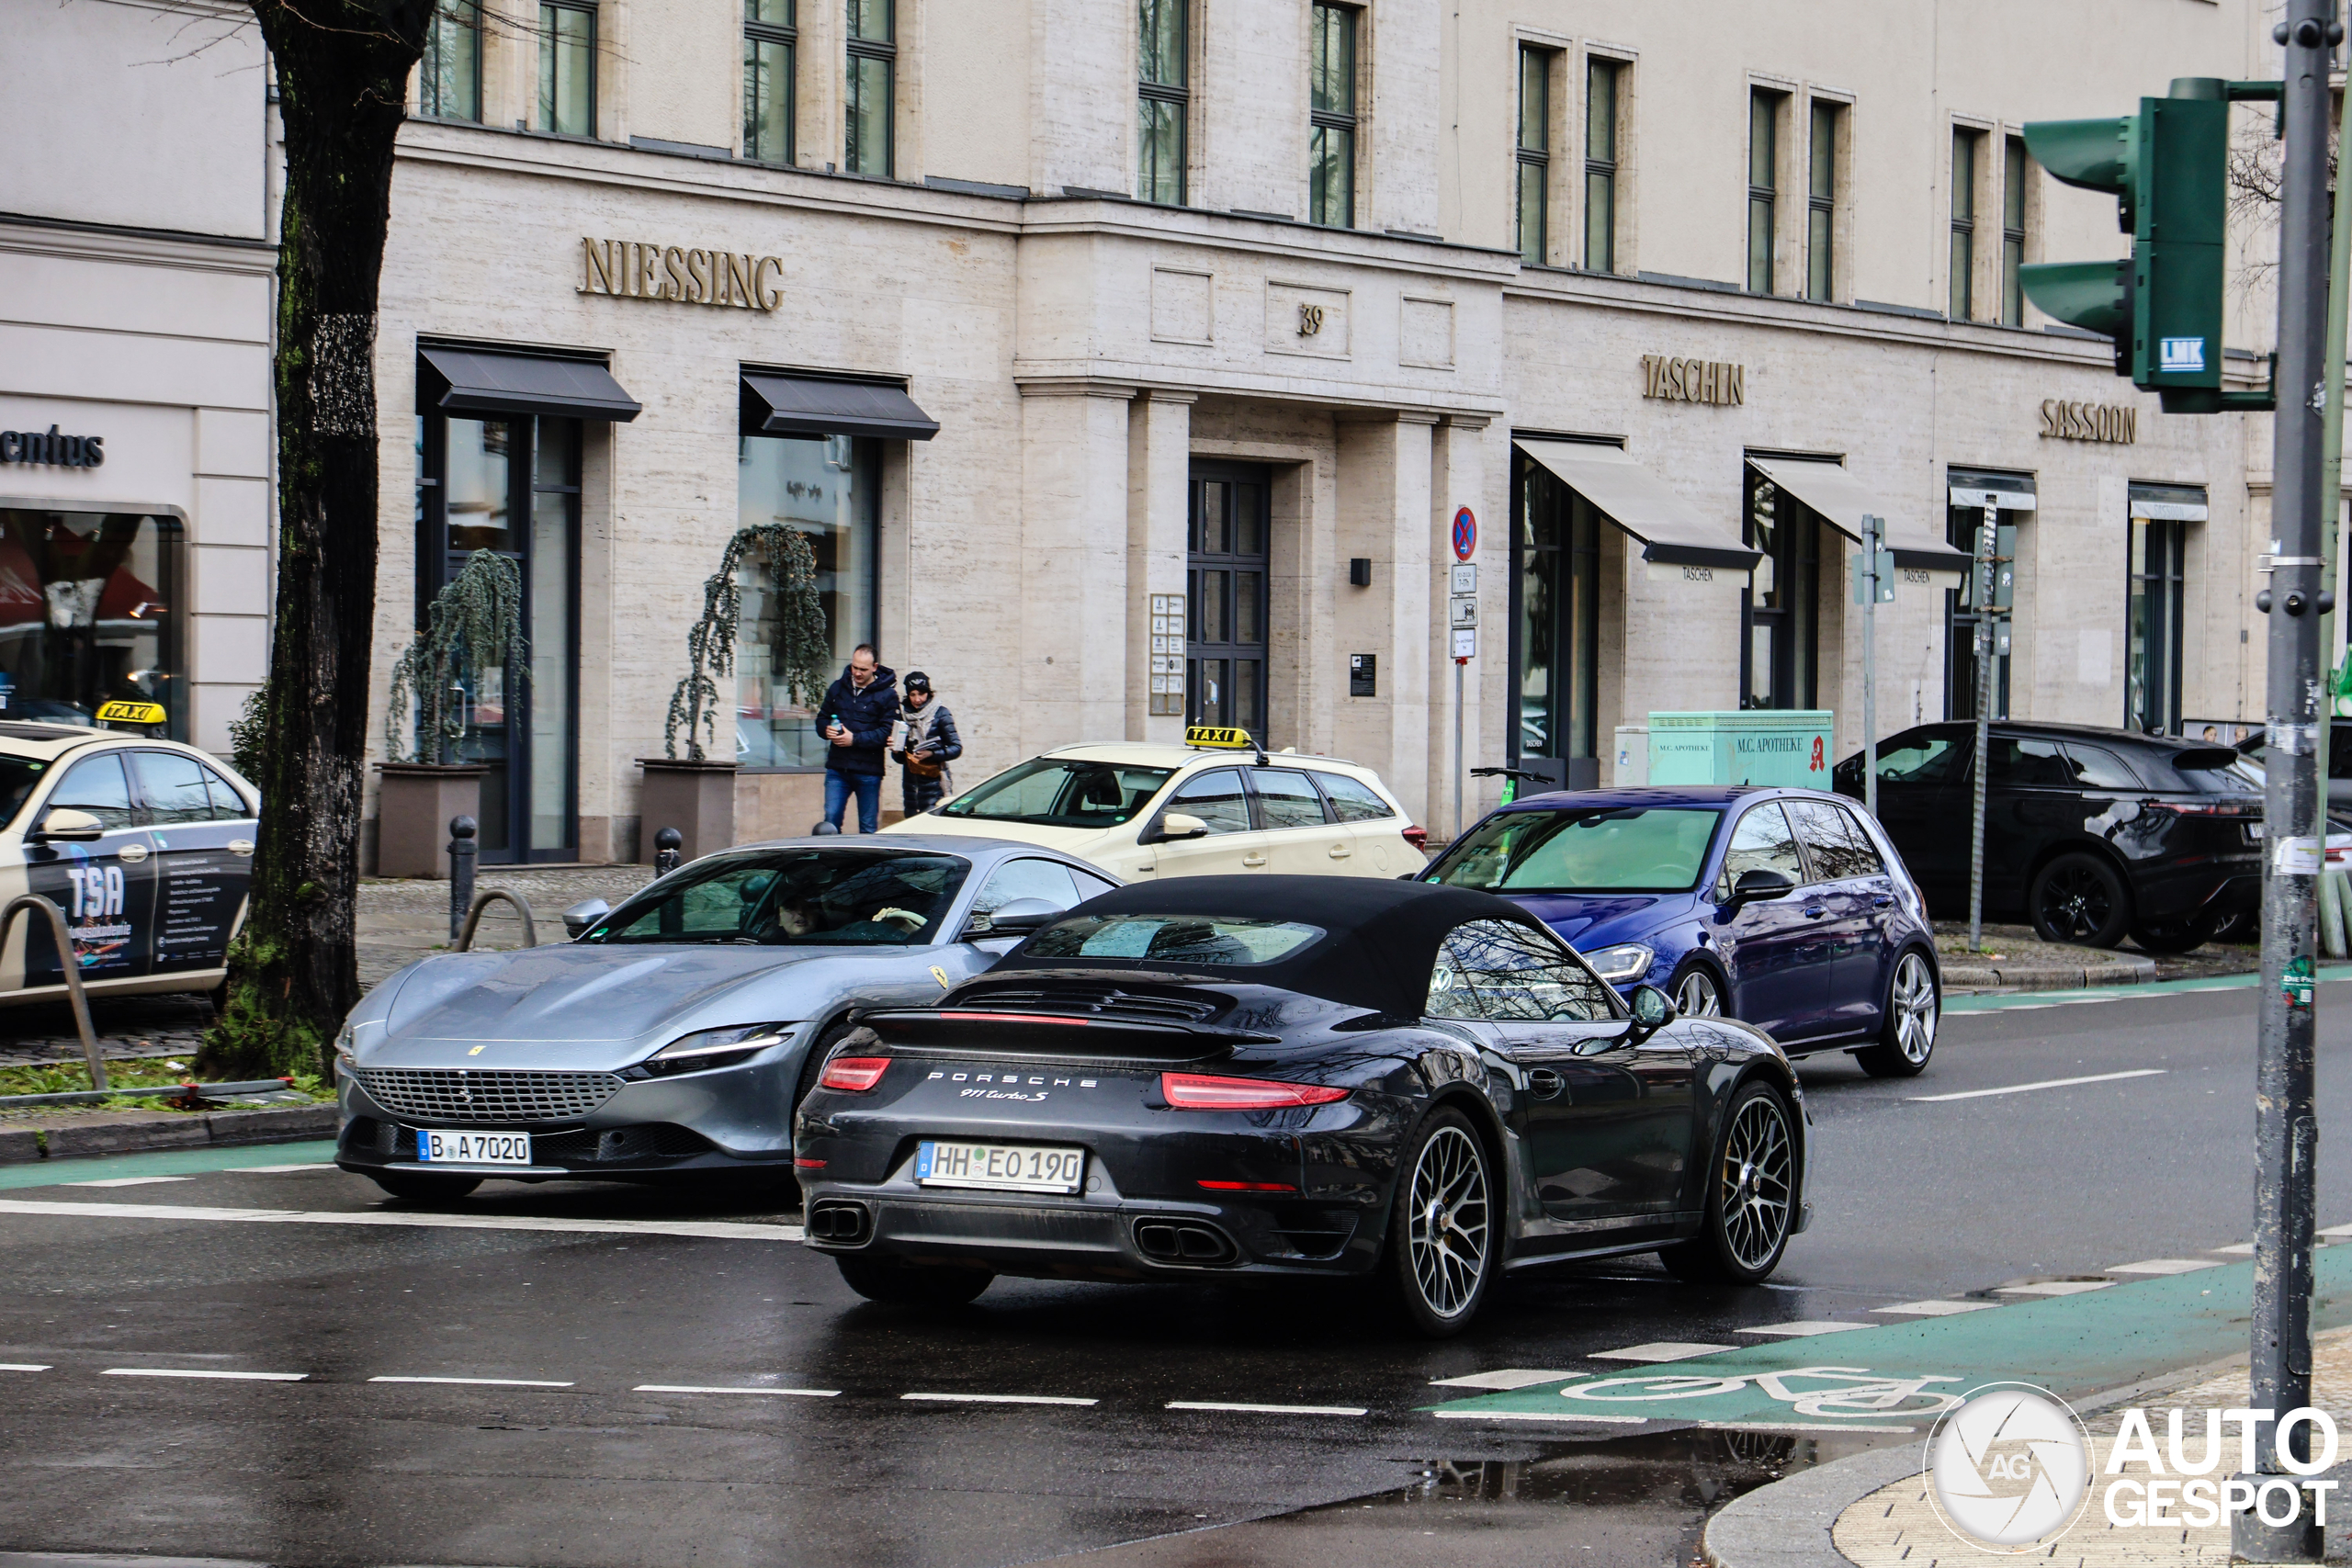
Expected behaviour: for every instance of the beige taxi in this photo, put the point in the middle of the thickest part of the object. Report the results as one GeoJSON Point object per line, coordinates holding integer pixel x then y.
{"type": "Point", "coordinates": [1212, 808]}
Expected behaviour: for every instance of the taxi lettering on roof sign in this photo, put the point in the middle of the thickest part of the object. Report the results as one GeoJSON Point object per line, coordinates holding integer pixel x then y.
{"type": "Point", "coordinates": [1211, 734]}
{"type": "Point", "coordinates": [132, 713]}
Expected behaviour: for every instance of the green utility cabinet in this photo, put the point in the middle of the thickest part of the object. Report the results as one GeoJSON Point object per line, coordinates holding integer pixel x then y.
{"type": "Point", "coordinates": [1761, 746]}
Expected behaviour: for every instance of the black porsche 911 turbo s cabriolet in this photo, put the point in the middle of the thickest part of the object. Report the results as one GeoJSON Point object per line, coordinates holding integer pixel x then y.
{"type": "Point", "coordinates": [1304, 1076]}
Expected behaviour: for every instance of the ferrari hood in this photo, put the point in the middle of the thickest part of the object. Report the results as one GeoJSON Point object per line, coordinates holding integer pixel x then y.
{"type": "Point", "coordinates": [572, 994]}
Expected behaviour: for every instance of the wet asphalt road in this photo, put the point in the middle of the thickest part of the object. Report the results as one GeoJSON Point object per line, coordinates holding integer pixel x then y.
{"type": "Point", "coordinates": [1914, 1199]}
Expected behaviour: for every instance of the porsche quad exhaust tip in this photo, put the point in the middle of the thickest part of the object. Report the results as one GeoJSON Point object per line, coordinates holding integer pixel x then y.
{"type": "Point", "coordinates": [844, 1225]}
{"type": "Point", "coordinates": [1184, 1241]}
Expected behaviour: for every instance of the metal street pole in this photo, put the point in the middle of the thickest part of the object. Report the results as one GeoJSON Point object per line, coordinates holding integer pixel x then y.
{"type": "Point", "coordinates": [2286, 1130]}
{"type": "Point", "coordinates": [1459, 665]}
{"type": "Point", "coordinates": [2339, 321]}
{"type": "Point", "coordinates": [1987, 539]}
{"type": "Point", "coordinates": [1873, 530]}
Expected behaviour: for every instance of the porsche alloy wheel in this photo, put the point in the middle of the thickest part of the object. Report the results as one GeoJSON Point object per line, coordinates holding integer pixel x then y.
{"type": "Point", "coordinates": [1447, 1229]}
{"type": "Point", "coordinates": [1754, 1201]}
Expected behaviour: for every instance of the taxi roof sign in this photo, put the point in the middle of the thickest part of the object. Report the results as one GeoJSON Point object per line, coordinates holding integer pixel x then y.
{"type": "Point", "coordinates": [1218, 738]}
{"type": "Point", "coordinates": [132, 713]}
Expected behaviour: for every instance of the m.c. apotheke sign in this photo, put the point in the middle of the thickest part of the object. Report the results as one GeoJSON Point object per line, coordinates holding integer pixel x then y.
{"type": "Point", "coordinates": [52, 449]}
{"type": "Point", "coordinates": [729, 279]}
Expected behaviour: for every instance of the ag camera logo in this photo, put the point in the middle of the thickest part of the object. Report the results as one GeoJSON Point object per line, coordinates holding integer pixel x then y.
{"type": "Point", "coordinates": [2009, 1468]}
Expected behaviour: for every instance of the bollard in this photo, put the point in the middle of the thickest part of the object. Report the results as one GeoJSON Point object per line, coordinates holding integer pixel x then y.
{"type": "Point", "coordinates": [665, 851]}
{"type": "Point", "coordinates": [521, 907]}
{"type": "Point", "coordinates": [463, 851]}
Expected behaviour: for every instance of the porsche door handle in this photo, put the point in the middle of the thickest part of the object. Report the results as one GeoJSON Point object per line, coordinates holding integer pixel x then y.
{"type": "Point", "coordinates": [1545, 1084]}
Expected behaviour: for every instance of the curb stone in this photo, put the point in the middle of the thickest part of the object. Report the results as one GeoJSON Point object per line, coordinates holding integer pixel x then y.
{"type": "Point", "coordinates": [2127, 969]}
{"type": "Point", "coordinates": [215, 1129]}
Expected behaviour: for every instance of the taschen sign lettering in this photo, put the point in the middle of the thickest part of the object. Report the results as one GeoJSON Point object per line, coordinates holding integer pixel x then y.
{"type": "Point", "coordinates": [727, 279]}
{"type": "Point", "coordinates": [50, 448]}
{"type": "Point", "coordinates": [1693, 380]}
{"type": "Point", "coordinates": [2089, 422]}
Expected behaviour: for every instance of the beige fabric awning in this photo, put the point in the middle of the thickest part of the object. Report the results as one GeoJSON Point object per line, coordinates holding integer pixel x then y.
{"type": "Point", "coordinates": [1842, 500]}
{"type": "Point", "coordinates": [1673, 531]}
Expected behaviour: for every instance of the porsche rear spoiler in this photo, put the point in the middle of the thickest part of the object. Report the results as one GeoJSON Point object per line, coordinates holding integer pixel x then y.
{"type": "Point", "coordinates": [1048, 1036]}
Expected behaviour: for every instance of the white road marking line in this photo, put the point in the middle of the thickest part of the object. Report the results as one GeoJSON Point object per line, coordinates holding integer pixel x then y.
{"type": "Point", "coordinates": [1266, 1409]}
{"type": "Point", "coordinates": [1934, 1309]}
{"type": "Point", "coordinates": [485, 1382]}
{"type": "Point", "coordinates": [128, 1181]}
{"type": "Point", "coordinates": [1507, 1377]}
{"type": "Point", "coordinates": [1535, 1416]}
{"type": "Point", "coordinates": [1662, 1350]}
{"type": "Point", "coordinates": [1804, 1328]}
{"type": "Point", "coordinates": [719, 1230]}
{"type": "Point", "coordinates": [20, 1367]}
{"type": "Point", "coordinates": [2241, 1249]}
{"type": "Point", "coordinates": [2046, 1083]}
{"type": "Point", "coordinates": [201, 1373]}
{"type": "Point", "coordinates": [1796, 1427]}
{"type": "Point", "coordinates": [281, 1170]}
{"type": "Point", "coordinates": [2332, 1230]}
{"type": "Point", "coordinates": [2056, 1288]}
{"type": "Point", "coordinates": [692, 1388]}
{"type": "Point", "coordinates": [999, 1398]}
{"type": "Point", "coordinates": [2163, 1266]}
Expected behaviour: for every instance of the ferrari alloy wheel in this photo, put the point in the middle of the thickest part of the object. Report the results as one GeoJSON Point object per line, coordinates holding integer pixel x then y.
{"type": "Point", "coordinates": [1443, 1238]}
{"type": "Point", "coordinates": [1907, 1028]}
{"type": "Point", "coordinates": [2080, 899]}
{"type": "Point", "coordinates": [1754, 1197]}
{"type": "Point", "coordinates": [1698, 994]}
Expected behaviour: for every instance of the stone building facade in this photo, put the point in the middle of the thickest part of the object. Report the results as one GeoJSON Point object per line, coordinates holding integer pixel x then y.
{"type": "Point", "coordinates": [1039, 317]}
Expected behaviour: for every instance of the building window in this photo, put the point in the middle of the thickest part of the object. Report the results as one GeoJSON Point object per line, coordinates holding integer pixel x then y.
{"type": "Point", "coordinates": [1163, 99]}
{"type": "Point", "coordinates": [1821, 205]}
{"type": "Point", "coordinates": [1763, 186]}
{"type": "Point", "coordinates": [1331, 138]}
{"type": "Point", "coordinates": [827, 488]}
{"type": "Point", "coordinates": [1963, 307]}
{"type": "Point", "coordinates": [1556, 591]}
{"type": "Point", "coordinates": [873, 76]}
{"type": "Point", "coordinates": [1601, 79]}
{"type": "Point", "coordinates": [1781, 607]}
{"type": "Point", "coordinates": [449, 84]}
{"type": "Point", "coordinates": [566, 69]}
{"type": "Point", "coordinates": [2152, 623]}
{"type": "Point", "coordinates": [91, 615]}
{"type": "Point", "coordinates": [1534, 152]}
{"type": "Point", "coordinates": [769, 40]}
{"type": "Point", "coordinates": [2012, 183]}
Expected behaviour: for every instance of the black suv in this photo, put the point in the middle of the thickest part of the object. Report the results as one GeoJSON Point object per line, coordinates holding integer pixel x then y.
{"type": "Point", "coordinates": [2092, 834]}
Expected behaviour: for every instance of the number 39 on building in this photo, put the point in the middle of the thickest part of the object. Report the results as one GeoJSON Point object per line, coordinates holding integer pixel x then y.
{"type": "Point", "coordinates": [98, 891]}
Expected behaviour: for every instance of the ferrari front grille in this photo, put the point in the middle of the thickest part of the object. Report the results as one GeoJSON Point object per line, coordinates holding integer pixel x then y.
{"type": "Point", "coordinates": [468, 1094]}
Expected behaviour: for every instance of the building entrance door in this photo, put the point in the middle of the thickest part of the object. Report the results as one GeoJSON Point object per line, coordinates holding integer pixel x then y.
{"type": "Point", "coordinates": [1780, 606]}
{"type": "Point", "coordinates": [1224, 586]}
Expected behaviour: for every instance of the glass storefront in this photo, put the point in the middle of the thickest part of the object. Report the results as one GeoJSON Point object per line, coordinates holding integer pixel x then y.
{"type": "Point", "coordinates": [1780, 609]}
{"type": "Point", "coordinates": [1556, 632]}
{"type": "Point", "coordinates": [89, 605]}
{"type": "Point", "coordinates": [825, 486]}
{"type": "Point", "coordinates": [2157, 578]}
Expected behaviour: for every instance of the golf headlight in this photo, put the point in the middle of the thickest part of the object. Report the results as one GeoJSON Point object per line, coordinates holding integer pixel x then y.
{"type": "Point", "coordinates": [695, 1050]}
{"type": "Point", "coordinates": [1626, 961]}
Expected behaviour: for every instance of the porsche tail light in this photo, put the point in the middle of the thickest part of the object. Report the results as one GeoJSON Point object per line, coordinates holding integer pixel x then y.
{"type": "Point", "coordinates": [853, 1075]}
{"type": "Point", "coordinates": [1417, 835]}
{"type": "Point", "coordinates": [1201, 1092]}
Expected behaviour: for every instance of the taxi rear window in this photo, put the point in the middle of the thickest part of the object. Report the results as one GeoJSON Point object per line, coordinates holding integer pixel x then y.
{"type": "Point", "coordinates": [18, 777]}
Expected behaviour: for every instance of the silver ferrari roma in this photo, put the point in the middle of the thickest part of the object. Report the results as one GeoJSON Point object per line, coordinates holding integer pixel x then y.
{"type": "Point", "coordinates": [678, 1033]}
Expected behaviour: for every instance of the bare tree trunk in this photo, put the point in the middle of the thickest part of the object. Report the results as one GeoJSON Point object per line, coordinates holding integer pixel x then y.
{"type": "Point", "coordinates": [342, 68]}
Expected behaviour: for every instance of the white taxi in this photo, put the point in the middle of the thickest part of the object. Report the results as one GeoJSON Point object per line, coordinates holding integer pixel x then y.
{"type": "Point", "coordinates": [145, 846]}
{"type": "Point", "coordinates": [1216, 807]}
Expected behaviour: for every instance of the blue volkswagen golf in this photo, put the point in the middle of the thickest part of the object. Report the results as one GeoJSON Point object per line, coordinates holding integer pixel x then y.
{"type": "Point", "coordinates": [1786, 909]}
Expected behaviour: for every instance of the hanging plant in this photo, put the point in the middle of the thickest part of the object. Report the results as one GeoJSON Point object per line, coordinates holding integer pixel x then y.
{"type": "Point", "coordinates": [474, 623]}
{"type": "Point", "coordinates": [800, 655]}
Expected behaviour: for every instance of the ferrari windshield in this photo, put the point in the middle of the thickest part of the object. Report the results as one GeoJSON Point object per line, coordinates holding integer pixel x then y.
{"type": "Point", "coordinates": [1630, 849]}
{"type": "Point", "coordinates": [1172, 939]}
{"type": "Point", "coordinates": [827, 897]}
{"type": "Point", "coordinates": [1061, 791]}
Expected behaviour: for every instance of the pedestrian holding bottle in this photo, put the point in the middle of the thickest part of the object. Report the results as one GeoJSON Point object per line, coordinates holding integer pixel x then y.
{"type": "Point", "coordinates": [855, 724]}
{"type": "Point", "coordinates": [931, 744]}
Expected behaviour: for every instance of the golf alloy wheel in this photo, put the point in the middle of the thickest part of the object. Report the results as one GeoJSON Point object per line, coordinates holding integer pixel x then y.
{"type": "Point", "coordinates": [1449, 1230]}
{"type": "Point", "coordinates": [1698, 995]}
{"type": "Point", "coordinates": [1914, 1009]}
{"type": "Point", "coordinates": [1759, 1183]}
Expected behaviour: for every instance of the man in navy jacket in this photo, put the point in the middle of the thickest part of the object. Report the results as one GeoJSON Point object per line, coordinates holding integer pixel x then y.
{"type": "Point", "coordinates": [855, 721]}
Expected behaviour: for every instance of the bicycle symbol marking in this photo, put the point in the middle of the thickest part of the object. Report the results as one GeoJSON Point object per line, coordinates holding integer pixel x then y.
{"type": "Point", "coordinates": [1831, 1392]}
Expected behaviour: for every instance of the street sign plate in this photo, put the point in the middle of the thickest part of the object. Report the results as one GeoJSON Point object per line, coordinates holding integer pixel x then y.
{"type": "Point", "coordinates": [1885, 577]}
{"type": "Point", "coordinates": [1466, 644]}
{"type": "Point", "coordinates": [1465, 578]}
{"type": "Point", "coordinates": [1465, 534]}
{"type": "Point", "coordinates": [1461, 611]}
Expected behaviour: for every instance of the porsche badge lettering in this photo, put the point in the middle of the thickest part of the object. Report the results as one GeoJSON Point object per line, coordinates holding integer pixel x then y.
{"type": "Point", "coordinates": [1011, 1086]}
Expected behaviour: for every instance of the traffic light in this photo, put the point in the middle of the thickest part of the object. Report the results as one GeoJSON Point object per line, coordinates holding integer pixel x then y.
{"type": "Point", "coordinates": [2162, 305]}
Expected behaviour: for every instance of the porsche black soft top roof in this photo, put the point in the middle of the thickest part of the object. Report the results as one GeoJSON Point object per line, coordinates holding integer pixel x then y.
{"type": "Point", "coordinates": [1379, 942]}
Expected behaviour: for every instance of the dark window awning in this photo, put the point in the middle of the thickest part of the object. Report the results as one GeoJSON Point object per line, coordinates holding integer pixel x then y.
{"type": "Point", "coordinates": [776, 404]}
{"type": "Point", "coordinates": [1842, 500]}
{"type": "Point", "coordinates": [475, 381]}
{"type": "Point", "coordinates": [1673, 531]}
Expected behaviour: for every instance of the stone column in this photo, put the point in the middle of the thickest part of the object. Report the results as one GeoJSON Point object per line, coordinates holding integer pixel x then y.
{"type": "Point", "coordinates": [1068, 634]}
{"type": "Point", "coordinates": [1458, 478]}
{"type": "Point", "coordinates": [1159, 465]}
{"type": "Point", "coordinates": [1383, 514]}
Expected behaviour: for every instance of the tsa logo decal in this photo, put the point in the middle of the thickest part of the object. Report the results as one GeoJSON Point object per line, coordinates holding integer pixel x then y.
{"type": "Point", "coordinates": [2181, 354]}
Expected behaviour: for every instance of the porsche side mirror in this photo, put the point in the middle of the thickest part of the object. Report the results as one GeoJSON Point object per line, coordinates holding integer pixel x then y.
{"type": "Point", "coordinates": [1018, 917]}
{"type": "Point", "coordinates": [1177, 825]}
{"type": "Point", "coordinates": [579, 917]}
{"type": "Point", "coordinates": [1760, 884]}
{"type": "Point", "coordinates": [68, 825]}
{"type": "Point", "coordinates": [1653, 1009]}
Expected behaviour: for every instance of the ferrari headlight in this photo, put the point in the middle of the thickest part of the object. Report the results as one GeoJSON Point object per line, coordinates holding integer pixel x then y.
{"type": "Point", "coordinates": [346, 1047]}
{"type": "Point", "coordinates": [1626, 961]}
{"type": "Point", "coordinates": [737, 1042]}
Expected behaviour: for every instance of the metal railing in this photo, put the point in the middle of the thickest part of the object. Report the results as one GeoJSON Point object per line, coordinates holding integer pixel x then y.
{"type": "Point", "coordinates": [72, 967]}
{"type": "Point", "coordinates": [484, 901]}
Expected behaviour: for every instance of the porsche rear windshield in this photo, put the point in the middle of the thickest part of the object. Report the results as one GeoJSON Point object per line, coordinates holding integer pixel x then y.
{"type": "Point", "coordinates": [1626, 849]}
{"type": "Point", "coordinates": [1061, 791]}
{"type": "Point", "coordinates": [826, 897]}
{"type": "Point", "coordinates": [1174, 939]}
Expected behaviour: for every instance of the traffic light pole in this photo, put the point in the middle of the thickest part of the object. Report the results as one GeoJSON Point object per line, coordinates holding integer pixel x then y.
{"type": "Point", "coordinates": [1873, 532]}
{"type": "Point", "coordinates": [2286, 1127]}
{"type": "Point", "coordinates": [1987, 537]}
